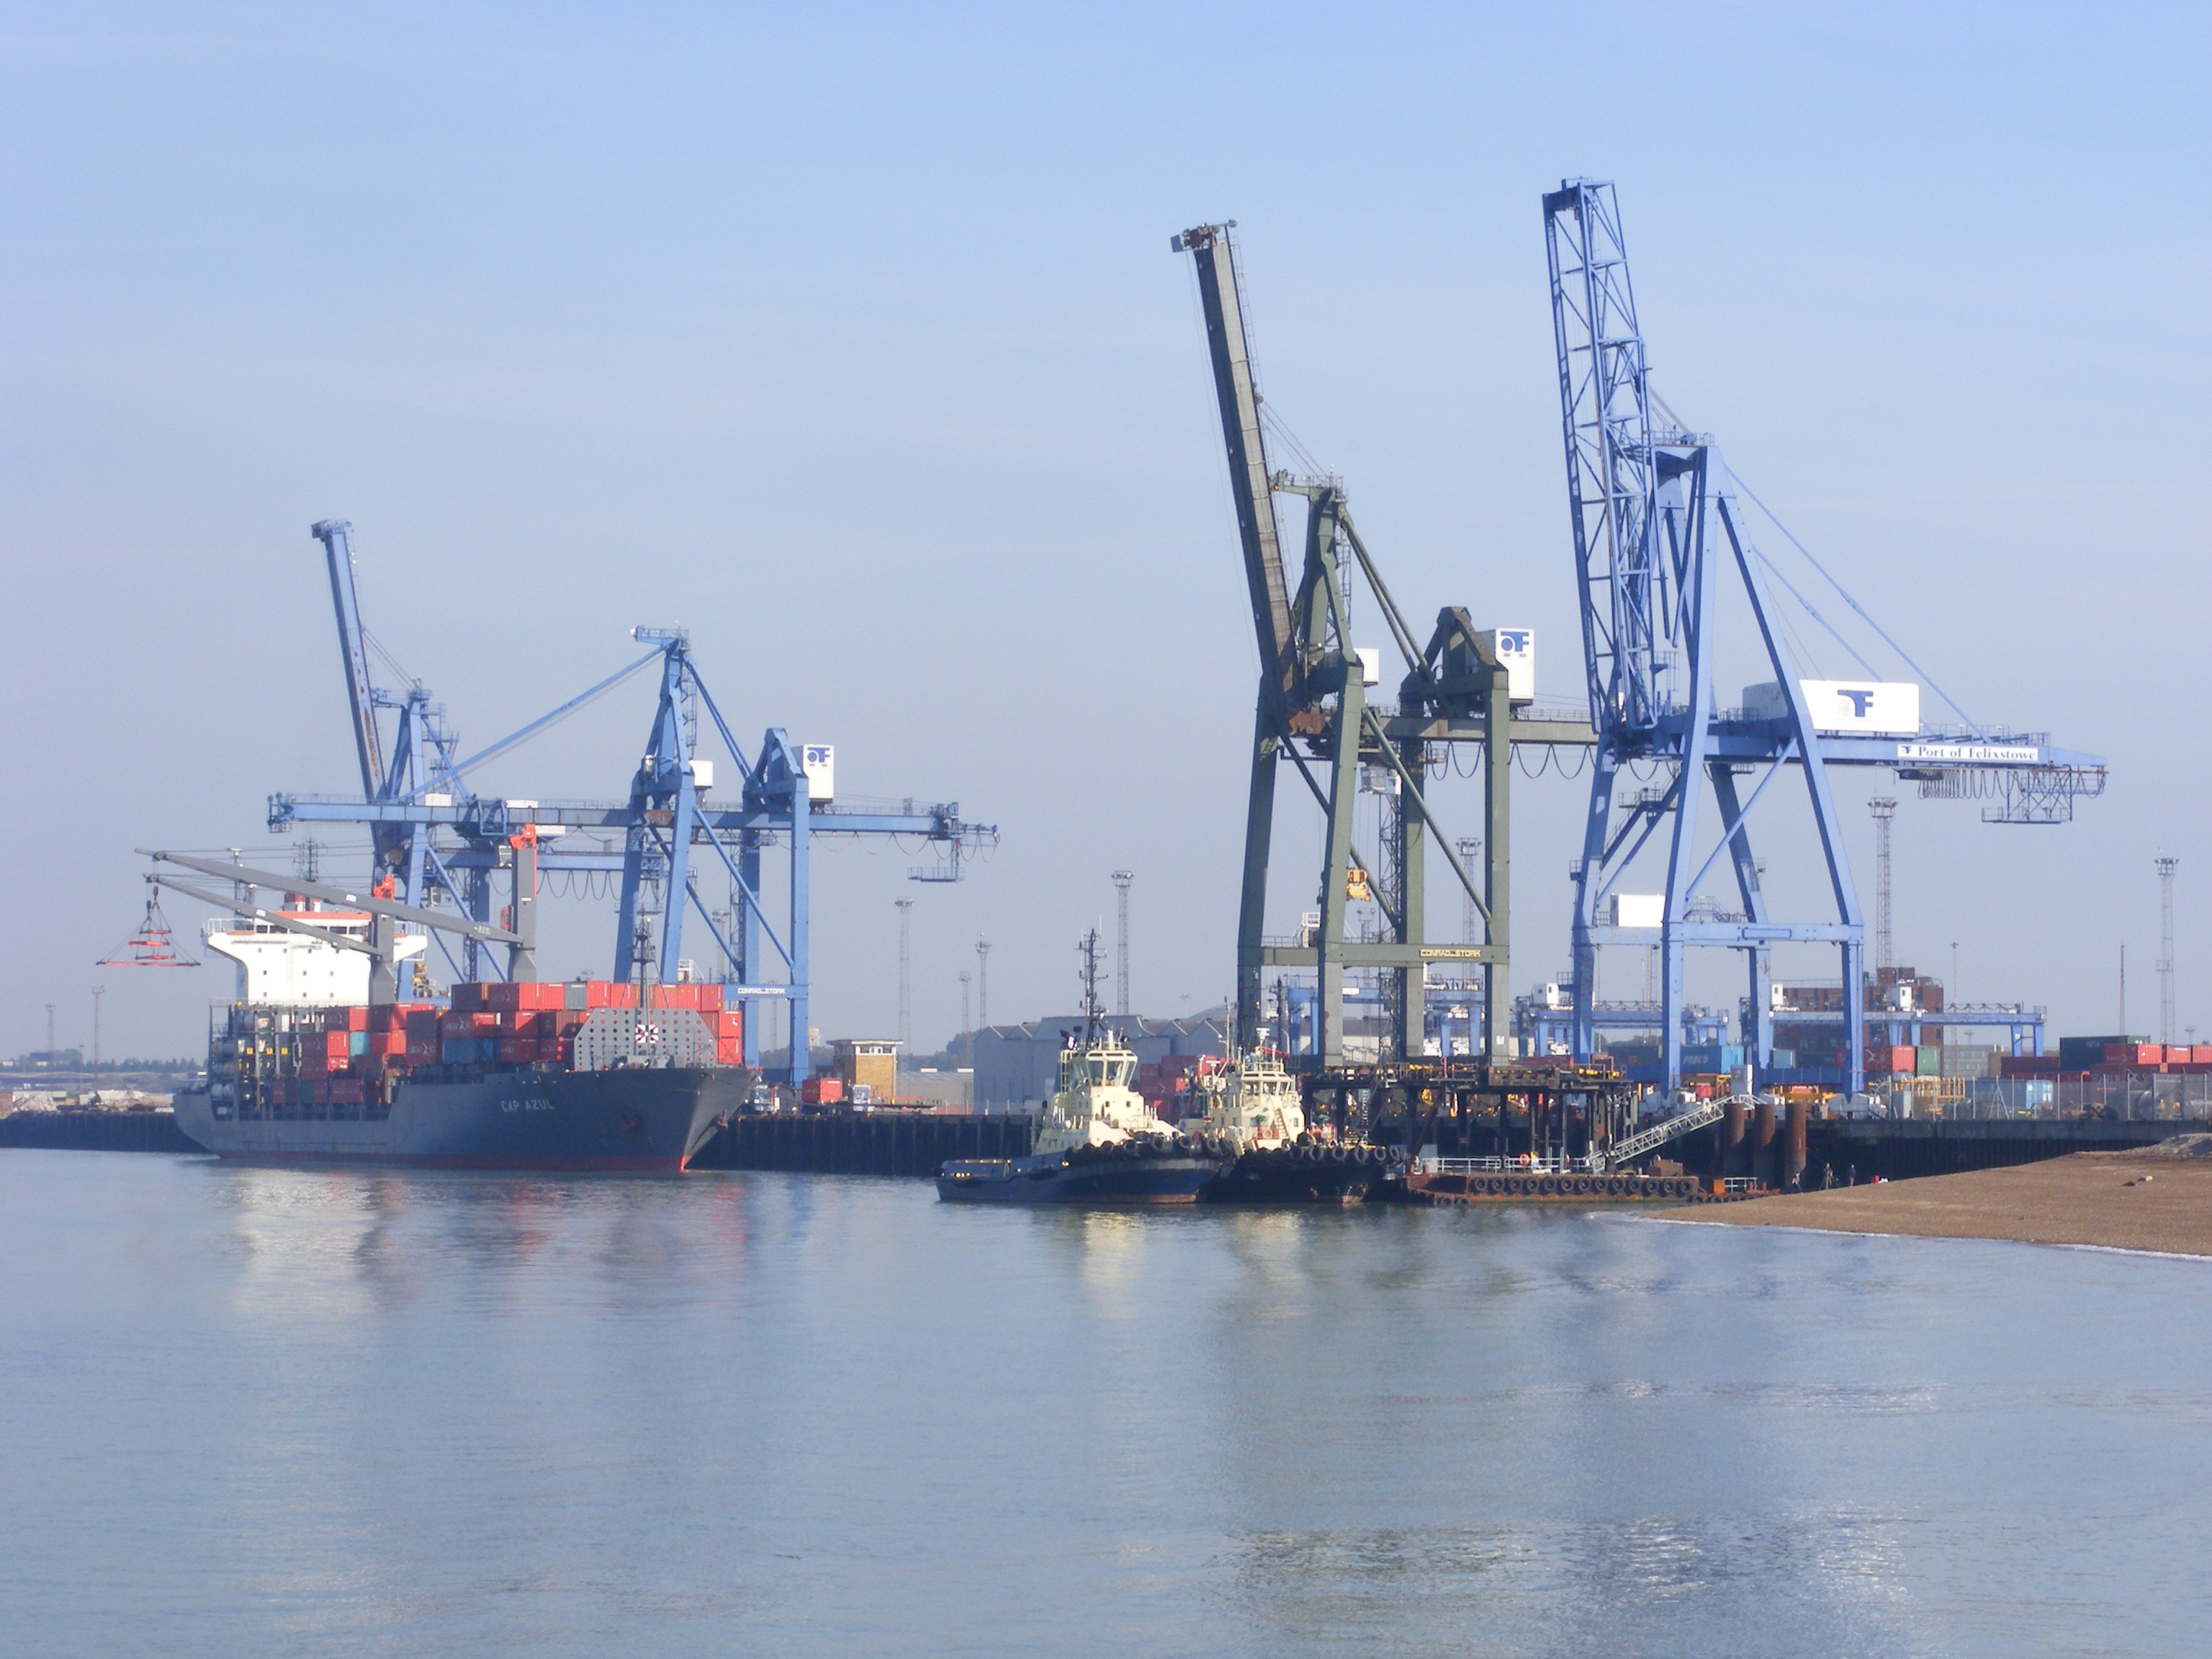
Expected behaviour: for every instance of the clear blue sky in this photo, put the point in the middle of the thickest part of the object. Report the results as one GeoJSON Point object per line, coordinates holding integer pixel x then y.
{"type": "Point", "coordinates": [850, 339]}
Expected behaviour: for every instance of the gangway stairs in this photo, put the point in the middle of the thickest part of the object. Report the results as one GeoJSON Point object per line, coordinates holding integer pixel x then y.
{"type": "Point", "coordinates": [1705, 1112]}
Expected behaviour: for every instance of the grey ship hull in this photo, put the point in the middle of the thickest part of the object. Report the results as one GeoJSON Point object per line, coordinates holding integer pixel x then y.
{"type": "Point", "coordinates": [634, 1120]}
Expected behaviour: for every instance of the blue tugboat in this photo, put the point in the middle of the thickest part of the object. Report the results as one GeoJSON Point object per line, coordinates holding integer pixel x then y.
{"type": "Point", "coordinates": [1098, 1142]}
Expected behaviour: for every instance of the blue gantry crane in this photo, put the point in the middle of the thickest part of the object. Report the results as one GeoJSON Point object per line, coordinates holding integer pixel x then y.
{"type": "Point", "coordinates": [438, 843]}
{"type": "Point", "coordinates": [1658, 530]}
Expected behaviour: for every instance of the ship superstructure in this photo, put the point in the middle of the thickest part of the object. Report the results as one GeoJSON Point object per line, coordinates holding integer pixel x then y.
{"type": "Point", "coordinates": [277, 965]}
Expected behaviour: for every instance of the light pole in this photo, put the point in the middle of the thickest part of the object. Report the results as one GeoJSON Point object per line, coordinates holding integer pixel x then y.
{"type": "Point", "coordinates": [2166, 869]}
{"type": "Point", "coordinates": [1121, 880]}
{"type": "Point", "coordinates": [906, 1005]}
{"type": "Point", "coordinates": [982, 983]}
{"type": "Point", "coordinates": [1884, 809]}
{"type": "Point", "coordinates": [967, 1032]}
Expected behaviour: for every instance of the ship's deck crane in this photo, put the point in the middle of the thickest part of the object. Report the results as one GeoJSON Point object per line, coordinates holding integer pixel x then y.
{"type": "Point", "coordinates": [1657, 529]}
{"type": "Point", "coordinates": [1313, 713]}
{"type": "Point", "coordinates": [422, 793]}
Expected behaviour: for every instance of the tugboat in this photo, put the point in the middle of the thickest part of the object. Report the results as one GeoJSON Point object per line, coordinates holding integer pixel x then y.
{"type": "Point", "coordinates": [1098, 1142]}
{"type": "Point", "coordinates": [1253, 1108]}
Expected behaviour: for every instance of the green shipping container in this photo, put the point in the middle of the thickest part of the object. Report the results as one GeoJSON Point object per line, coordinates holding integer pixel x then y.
{"type": "Point", "coordinates": [1929, 1060]}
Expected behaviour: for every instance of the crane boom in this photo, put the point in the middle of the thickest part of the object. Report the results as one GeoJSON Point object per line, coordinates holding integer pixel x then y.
{"type": "Point", "coordinates": [353, 649]}
{"type": "Point", "coordinates": [1612, 474]}
{"type": "Point", "coordinates": [1220, 291]}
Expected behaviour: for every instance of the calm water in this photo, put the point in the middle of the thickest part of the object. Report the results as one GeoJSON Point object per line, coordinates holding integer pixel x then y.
{"type": "Point", "coordinates": [259, 1412]}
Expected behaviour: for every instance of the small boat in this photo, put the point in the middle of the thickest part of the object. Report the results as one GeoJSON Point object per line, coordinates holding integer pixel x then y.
{"type": "Point", "coordinates": [1098, 1141]}
{"type": "Point", "coordinates": [1254, 1108]}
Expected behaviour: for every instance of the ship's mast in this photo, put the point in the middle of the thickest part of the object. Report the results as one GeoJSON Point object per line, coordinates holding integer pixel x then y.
{"type": "Point", "coordinates": [1087, 948]}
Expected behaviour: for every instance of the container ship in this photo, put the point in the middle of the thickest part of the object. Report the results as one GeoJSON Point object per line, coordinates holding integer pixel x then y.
{"type": "Point", "coordinates": [577, 1075]}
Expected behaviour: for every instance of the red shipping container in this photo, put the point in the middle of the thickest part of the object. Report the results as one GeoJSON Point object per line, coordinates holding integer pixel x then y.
{"type": "Point", "coordinates": [346, 1091]}
{"type": "Point", "coordinates": [730, 1051]}
{"type": "Point", "coordinates": [502, 995]}
{"type": "Point", "coordinates": [510, 1047]}
{"type": "Point", "coordinates": [819, 1091]}
{"type": "Point", "coordinates": [2134, 1053]}
{"type": "Point", "coordinates": [710, 1000]}
{"type": "Point", "coordinates": [456, 1025]}
{"type": "Point", "coordinates": [2201, 1055]}
{"type": "Point", "coordinates": [322, 1091]}
{"type": "Point", "coordinates": [337, 1047]}
{"type": "Point", "coordinates": [730, 1022]}
{"type": "Point", "coordinates": [354, 1018]}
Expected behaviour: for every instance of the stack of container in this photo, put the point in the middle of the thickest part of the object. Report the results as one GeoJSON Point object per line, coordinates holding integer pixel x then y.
{"type": "Point", "coordinates": [535, 1023]}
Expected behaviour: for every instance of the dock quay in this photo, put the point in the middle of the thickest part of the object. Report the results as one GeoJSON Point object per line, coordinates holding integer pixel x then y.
{"type": "Point", "coordinates": [1902, 1151]}
{"type": "Point", "coordinates": [94, 1132]}
{"type": "Point", "coordinates": [878, 1143]}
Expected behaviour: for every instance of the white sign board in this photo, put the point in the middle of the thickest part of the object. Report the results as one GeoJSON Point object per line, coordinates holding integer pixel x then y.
{"type": "Point", "coordinates": [820, 760]}
{"type": "Point", "coordinates": [1857, 708]}
{"type": "Point", "coordinates": [1968, 754]}
{"type": "Point", "coordinates": [1635, 909]}
{"type": "Point", "coordinates": [1516, 647]}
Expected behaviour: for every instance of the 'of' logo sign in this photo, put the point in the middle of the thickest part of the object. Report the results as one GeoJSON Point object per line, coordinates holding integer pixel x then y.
{"type": "Point", "coordinates": [1859, 702]}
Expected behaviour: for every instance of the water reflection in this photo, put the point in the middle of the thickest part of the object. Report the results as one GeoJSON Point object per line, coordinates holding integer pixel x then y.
{"type": "Point", "coordinates": [375, 1412]}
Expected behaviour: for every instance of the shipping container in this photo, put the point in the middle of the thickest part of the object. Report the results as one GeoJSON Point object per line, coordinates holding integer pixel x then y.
{"type": "Point", "coordinates": [820, 1091]}
{"type": "Point", "coordinates": [2080, 1053]}
{"type": "Point", "coordinates": [354, 1018]}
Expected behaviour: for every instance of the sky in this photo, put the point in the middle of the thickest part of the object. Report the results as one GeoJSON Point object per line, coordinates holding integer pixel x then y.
{"type": "Point", "coordinates": [849, 339]}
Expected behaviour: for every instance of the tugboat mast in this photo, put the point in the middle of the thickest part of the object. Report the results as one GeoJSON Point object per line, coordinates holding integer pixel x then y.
{"type": "Point", "coordinates": [1087, 948]}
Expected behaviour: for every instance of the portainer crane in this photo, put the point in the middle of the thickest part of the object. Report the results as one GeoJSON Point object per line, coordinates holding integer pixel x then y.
{"type": "Point", "coordinates": [1658, 530]}
{"type": "Point", "coordinates": [437, 844]}
{"type": "Point", "coordinates": [1314, 713]}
